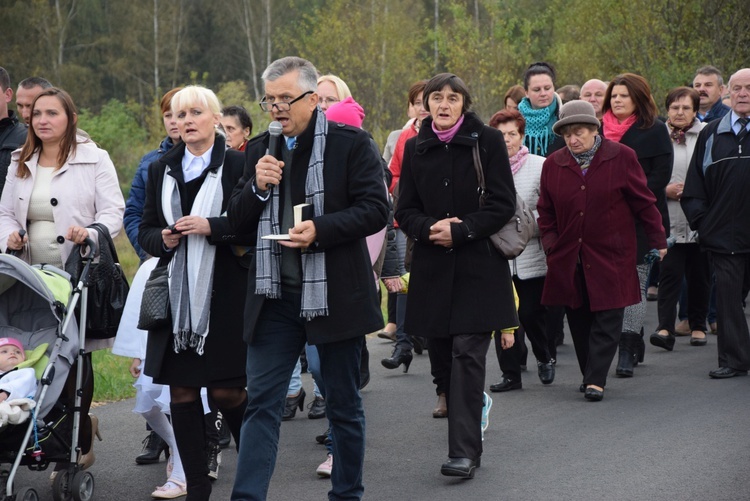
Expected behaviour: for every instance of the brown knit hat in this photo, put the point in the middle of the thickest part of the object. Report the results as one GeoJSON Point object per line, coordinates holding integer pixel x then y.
{"type": "Point", "coordinates": [575, 112]}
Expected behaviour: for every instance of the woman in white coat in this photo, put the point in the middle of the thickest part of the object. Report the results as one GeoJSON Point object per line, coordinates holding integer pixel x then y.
{"type": "Point", "coordinates": [685, 258]}
{"type": "Point", "coordinates": [59, 183]}
{"type": "Point", "coordinates": [530, 267]}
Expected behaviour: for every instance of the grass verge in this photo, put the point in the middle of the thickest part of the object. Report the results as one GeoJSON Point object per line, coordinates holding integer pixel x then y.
{"type": "Point", "coordinates": [112, 379]}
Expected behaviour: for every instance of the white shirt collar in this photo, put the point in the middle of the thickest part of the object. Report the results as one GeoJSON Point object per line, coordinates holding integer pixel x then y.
{"type": "Point", "coordinates": [191, 169]}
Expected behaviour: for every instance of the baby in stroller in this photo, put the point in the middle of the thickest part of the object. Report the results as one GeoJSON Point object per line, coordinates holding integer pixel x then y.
{"type": "Point", "coordinates": [17, 385]}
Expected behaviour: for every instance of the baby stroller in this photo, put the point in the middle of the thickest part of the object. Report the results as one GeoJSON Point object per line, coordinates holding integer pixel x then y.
{"type": "Point", "coordinates": [36, 307]}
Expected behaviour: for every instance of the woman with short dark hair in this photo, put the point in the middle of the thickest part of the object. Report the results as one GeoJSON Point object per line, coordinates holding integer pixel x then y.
{"type": "Point", "coordinates": [685, 258]}
{"type": "Point", "coordinates": [631, 118]}
{"type": "Point", "coordinates": [237, 125]}
{"type": "Point", "coordinates": [460, 288]}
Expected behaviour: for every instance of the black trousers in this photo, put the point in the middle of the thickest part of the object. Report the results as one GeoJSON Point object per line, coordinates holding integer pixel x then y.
{"type": "Point", "coordinates": [684, 260]}
{"type": "Point", "coordinates": [732, 284]}
{"type": "Point", "coordinates": [533, 316]}
{"type": "Point", "coordinates": [555, 328]}
{"type": "Point", "coordinates": [596, 335]}
{"type": "Point", "coordinates": [461, 359]}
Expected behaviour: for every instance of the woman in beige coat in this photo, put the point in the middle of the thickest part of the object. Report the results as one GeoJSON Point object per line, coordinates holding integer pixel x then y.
{"type": "Point", "coordinates": [58, 183]}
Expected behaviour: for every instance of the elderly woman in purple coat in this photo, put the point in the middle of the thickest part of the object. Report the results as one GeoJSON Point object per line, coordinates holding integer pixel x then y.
{"type": "Point", "coordinates": [592, 193]}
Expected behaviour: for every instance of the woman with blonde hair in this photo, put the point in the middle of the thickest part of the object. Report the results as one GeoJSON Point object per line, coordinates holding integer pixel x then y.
{"type": "Point", "coordinates": [331, 90]}
{"type": "Point", "coordinates": [183, 225]}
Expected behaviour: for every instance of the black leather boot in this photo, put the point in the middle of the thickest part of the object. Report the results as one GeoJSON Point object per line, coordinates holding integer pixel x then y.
{"type": "Point", "coordinates": [640, 349]}
{"type": "Point", "coordinates": [626, 361]}
{"type": "Point", "coordinates": [190, 434]}
{"type": "Point", "coordinates": [153, 446]}
{"type": "Point", "coordinates": [233, 420]}
{"type": "Point", "coordinates": [399, 356]}
{"type": "Point", "coordinates": [364, 366]}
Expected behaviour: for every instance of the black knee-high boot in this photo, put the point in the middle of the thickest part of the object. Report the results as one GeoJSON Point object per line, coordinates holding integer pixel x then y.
{"type": "Point", "coordinates": [189, 432]}
{"type": "Point", "coordinates": [233, 417]}
{"type": "Point", "coordinates": [628, 354]}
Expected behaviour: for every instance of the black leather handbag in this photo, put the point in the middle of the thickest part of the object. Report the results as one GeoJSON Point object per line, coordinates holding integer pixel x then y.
{"type": "Point", "coordinates": [107, 287]}
{"type": "Point", "coordinates": [155, 308]}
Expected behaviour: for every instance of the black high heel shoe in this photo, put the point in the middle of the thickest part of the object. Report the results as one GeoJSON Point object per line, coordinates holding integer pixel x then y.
{"type": "Point", "coordinates": [292, 404]}
{"type": "Point", "coordinates": [399, 356]}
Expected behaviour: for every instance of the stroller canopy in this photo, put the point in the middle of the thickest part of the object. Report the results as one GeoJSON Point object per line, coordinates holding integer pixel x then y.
{"type": "Point", "coordinates": [50, 283]}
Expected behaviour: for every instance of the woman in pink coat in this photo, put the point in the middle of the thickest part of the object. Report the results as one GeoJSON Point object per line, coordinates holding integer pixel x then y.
{"type": "Point", "coordinates": [59, 183]}
{"type": "Point", "coordinates": [592, 193]}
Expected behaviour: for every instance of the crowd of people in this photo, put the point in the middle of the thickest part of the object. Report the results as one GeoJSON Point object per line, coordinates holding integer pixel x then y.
{"type": "Point", "coordinates": [279, 248]}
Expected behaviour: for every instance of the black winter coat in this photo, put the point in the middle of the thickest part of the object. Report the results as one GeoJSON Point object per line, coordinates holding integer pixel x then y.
{"type": "Point", "coordinates": [656, 155]}
{"type": "Point", "coordinates": [466, 288]}
{"type": "Point", "coordinates": [355, 207]}
{"type": "Point", "coordinates": [12, 136]}
{"type": "Point", "coordinates": [224, 352]}
{"type": "Point", "coordinates": [715, 199]}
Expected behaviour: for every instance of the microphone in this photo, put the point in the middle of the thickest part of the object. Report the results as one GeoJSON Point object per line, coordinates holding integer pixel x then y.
{"type": "Point", "coordinates": [274, 131]}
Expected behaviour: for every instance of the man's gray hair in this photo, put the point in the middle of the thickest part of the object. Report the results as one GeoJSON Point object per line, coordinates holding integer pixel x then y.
{"type": "Point", "coordinates": [710, 70]}
{"type": "Point", "coordinates": [308, 75]}
{"type": "Point", "coordinates": [31, 82]}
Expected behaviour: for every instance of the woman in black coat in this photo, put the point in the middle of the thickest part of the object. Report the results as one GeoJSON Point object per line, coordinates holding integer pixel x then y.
{"type": "Point", "coordinates": [186, 195]}
{"type": "Point", "coordinates": [630, 118]}
{"type": "Point", "coordinates": [460, 289]}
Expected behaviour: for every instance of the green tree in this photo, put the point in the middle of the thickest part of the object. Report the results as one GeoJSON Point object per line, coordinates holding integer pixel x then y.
{"type": "Point", "coordinates": [117, 130]}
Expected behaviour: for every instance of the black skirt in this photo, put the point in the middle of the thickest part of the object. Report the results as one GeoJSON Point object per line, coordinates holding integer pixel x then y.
{"type": "Point", "coordinates": [187, 368]}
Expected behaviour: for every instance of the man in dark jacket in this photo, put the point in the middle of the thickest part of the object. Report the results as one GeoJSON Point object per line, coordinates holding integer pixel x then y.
{"type": "Point", "coordinates": [12, 133]}
{"type": "Point", "coordinates": [716, 204]}
{"type": "Point", "coordinates": [314, 285]}
{"type": "Point", "coordinates": [710, 86]}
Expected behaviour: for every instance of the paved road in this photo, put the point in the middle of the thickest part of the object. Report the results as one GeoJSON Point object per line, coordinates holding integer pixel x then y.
{"type": "Point", "coordinates": [669, 433]}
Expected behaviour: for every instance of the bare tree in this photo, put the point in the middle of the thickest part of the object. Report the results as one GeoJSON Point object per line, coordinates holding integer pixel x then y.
{"type": "Point", "coordinates": [246, 23]}
{"type": "Point", "coordinates": [435, 43]}
{"type": "Point", "coordinates": [156, 48]}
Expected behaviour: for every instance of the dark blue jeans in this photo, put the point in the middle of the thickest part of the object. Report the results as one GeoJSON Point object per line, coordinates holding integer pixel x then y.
{"type": "Point", "coordinates": [279, 338]}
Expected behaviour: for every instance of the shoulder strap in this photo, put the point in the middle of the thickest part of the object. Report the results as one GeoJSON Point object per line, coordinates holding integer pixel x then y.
{"type": "Point", "coordinates": [480, 173]}
{"type": "Point", "coordinates": [106, 239]}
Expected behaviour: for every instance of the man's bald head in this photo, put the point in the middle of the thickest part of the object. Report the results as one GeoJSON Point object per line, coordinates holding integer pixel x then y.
{"type": "Point", "coordinates": [593, 91]}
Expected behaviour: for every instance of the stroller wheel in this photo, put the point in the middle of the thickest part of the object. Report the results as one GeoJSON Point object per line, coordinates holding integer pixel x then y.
{"type": "Point", "coordinates": [61, 486]}
{"type": "Point", "coordinates": [27, 494]}
{"type": "Point", "coordinates": [83, 486]}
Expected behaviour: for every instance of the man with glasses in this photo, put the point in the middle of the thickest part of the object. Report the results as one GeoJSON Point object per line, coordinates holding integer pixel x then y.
{"type": "Point", "coordinates": [315, 284]}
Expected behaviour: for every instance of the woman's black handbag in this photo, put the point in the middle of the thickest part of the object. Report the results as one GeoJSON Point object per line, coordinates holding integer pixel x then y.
{"type": "Point", "coordinates": [107, 287]}
{"type": "Point", "coordinates": [155, 309]}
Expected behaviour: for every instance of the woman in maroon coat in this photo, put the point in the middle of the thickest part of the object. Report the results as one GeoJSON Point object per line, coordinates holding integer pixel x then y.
{"type": "Point", "coordinates": [592, 193]}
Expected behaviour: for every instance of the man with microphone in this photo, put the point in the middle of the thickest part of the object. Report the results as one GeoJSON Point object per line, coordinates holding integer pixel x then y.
{"type": "Point", "coordinates": [311, 281]}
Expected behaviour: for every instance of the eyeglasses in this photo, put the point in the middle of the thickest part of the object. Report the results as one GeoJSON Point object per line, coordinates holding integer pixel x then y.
{"type": "Point", "coordinates": [329, 100]}
{"type": "Point", "coordinates": [282, 106]}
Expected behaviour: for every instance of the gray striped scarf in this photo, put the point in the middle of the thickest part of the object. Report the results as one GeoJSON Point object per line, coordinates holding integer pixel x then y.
{"type": "Point", "coordinates": [268, 253]}
{"type": "Point", "coordinates": [192, 274]}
